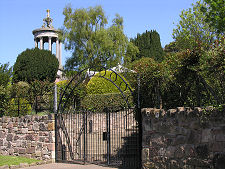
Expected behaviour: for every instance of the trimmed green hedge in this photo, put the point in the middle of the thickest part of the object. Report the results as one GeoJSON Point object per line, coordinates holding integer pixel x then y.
{"type": "Point", "coordinates": [99, 85]}
{"type": "Point", "coordinates": [98, 102]}
{"type": "Point", "coordinates": [102, 93]}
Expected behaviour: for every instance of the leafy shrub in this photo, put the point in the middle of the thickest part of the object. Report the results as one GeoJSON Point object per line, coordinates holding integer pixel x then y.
{"type": "Point", "coordinates": [5, 74]}
{"type": "Point", "coordinates": [153, 79]}
{"type": "Point", "coordinates": [98, 102]}
{"type": "Point", "coordinates": [19, 102]}
{"type": "Point", "coordinates": [4, 100]}
{"type": "Point", "coordinates": [19, 107]}
{"type": "Point", "coordinates": [35, 64]}
{"type": "Point", "coordinates": [41, 95]}
{"type": "Point", "coordinates": [100, 85]}
{"type": "Point", "coordinates": [70, 94]}
{"type": "Point", "coordinates": [103, 93]}
{"type": "Point", "coordinates": [5, 78]}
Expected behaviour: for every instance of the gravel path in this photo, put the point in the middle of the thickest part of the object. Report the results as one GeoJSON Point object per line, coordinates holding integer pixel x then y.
{"type": "Point", "coordinates": [67, 166]}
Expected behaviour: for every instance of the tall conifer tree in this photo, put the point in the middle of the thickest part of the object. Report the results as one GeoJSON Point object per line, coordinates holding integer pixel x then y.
{"type": "Point", "coordinates": [149, 45]}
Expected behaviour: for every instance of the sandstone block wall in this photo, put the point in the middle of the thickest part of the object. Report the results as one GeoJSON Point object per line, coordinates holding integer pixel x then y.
{"type": "Point", "coordinates": [183, 138]}
{"type": "Point", "coordinates": [28, 136]}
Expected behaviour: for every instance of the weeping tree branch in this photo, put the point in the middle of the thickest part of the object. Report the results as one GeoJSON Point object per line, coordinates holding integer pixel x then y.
{"type": "Point", "coordinates": [202, 80]}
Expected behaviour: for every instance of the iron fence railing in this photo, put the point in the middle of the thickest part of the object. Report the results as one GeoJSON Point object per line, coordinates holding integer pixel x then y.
{"type": "Point", "coordinates": [30, 105]}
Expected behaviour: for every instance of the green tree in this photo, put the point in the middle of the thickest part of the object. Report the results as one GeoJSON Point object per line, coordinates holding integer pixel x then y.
{"type": "Point", "coordinates": [171, 48]}
{"type": "Point", "coordinates": [215, 14]}
{"type": "Point", "coordinates": [154, 79]}
{"type": "Point", "coordinates": [35, 64]}
{"type": "Point", "coordinates": [91, 40]}
{"type": "Point", "coordinates": [213, 69]}
{"type": "Point", "coordinates": [149, 45]}
{"type": "Point", "coordinates": [193, 29]}
{"type": "Point", "coordinates": [5, 76]}
{"type": "Point", "coordinates": [188, 78]}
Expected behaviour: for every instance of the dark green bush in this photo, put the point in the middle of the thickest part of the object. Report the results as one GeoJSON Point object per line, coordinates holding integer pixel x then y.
{"type": "Point", "coordinates": [35, 64]}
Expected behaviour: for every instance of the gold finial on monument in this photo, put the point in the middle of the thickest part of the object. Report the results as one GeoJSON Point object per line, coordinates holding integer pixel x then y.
{"type": "Point", "coordinates": [47, 20]}
{"type": "Point", "coordinates": [48, 13]}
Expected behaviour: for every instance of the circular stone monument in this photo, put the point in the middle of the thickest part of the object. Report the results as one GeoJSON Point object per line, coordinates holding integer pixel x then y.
{"type": "Point", "coordinates": [47, 34]}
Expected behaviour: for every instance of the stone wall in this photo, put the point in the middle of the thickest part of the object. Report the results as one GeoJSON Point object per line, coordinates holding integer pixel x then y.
{"type": "Point", "coordinates": [28, 136]}
{"type": "Point", "coordinates": [183, 138]}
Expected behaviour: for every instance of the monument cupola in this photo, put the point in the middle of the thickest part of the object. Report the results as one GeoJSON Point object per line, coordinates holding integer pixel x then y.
{"type": "Point", "coordinates": [47, 34]}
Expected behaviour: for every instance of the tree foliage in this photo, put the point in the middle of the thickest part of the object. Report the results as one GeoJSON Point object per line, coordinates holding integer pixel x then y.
{"type": "Point", "coordinates": [149, 45]}
{"type": "Point", "coordinates": [20, 103]}
{"type": "Point", "coordinates": [5, 74]}
{"type": "Point", "coordinates": [213, 68]}
{"type": "Point", "coordinates": [171, 48]}
{"type": "Point", "coordinates": [188, 78]}
{"type": "Point", "coordinates": [35, 64]}
{"type": "Point", "coordinates": [91, 40]}
{"type": "Point", "coordinates": [215, 14]}
{"type": "Point", "coordinates": [5, 77]}
{"type": "Point", "coordinates": [154, 77]}
{"type": "Point", "coordinates": [193, 28]}
{"type": "Point", "coordinates": [71, 93]}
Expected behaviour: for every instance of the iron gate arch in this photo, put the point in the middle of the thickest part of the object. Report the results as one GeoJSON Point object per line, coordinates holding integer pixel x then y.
{"type": "Point", "coordinates": [112, 137]}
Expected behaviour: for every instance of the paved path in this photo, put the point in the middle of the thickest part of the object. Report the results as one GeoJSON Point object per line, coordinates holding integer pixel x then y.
{"type": "Point", "coordinates": [67, 166]}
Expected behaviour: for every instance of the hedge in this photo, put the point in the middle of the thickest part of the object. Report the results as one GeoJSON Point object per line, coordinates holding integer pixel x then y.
{"type": "Point", "coordinates": [100, 85]}
{"type": "Point", "coordinates": [98, 102]}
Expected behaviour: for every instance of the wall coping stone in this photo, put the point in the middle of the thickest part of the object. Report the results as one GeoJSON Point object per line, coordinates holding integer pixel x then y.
{"type": "Point", "coordinates": [183, 111]}
{"type": "Point", "coordinates": [7, 119]}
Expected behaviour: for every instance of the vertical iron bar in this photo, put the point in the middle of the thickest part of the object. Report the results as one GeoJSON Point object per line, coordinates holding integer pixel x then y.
{"type": "Point", "coordinates": [18, 102]}
{"type": "Point", "coordinates": [139, 117]}
{"type": "Point", "coordinates": [117, 137]}
{"type": "Point", "coordinates": [55, 98]}
{"type": "Point", "coordinates": [56, 129]}
{"type": "Point", "coordinates": [84, 121]}
{"type": "Point", "coordinates": [78, 133]}
{"type": "Point", "coordinates": [121, 137]}
{"type": "Point", "coordinates": [36, 104]}
{"type": "Point", "coordinates": [86, 141]}
{"type": "Point", "coordinates": [90, 135]}
{"type": "Point", "coordinates": [100, 131]}
{"type": "Point", "coordinates": [108, 136]}
{"type": "Point", "coordinates": [126, 136]}
{"type": "Point", "coordinates": [139, 85]}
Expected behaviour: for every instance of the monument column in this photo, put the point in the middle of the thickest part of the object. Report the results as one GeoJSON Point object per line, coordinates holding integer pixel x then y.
{"type": "Point", "coordinates": [60, 53]}
{"type": "Point", "coordinates": [57, 48]}
{"type": "Point", "coordinates": [36, 43]}
{"type": "Point", "coordinates": [50, 43]}
{"type": "Point", "coordinates": [41, 43]}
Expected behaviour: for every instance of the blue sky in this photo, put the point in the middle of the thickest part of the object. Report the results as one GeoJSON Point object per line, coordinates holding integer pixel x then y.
{"type": "Point", "coordinates": [18, 18]}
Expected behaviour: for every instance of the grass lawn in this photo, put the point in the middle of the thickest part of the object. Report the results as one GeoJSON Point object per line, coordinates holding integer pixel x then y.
{"type": "Point", "coordinates": [15, 160]}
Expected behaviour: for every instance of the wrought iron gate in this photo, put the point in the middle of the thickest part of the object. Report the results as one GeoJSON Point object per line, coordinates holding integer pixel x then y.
{"type": "Point", "coordinates": [108, 137]}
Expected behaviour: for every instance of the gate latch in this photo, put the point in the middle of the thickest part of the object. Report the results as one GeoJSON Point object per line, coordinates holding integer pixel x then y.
{"type": "Point", "coordinates": [104, 136]}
